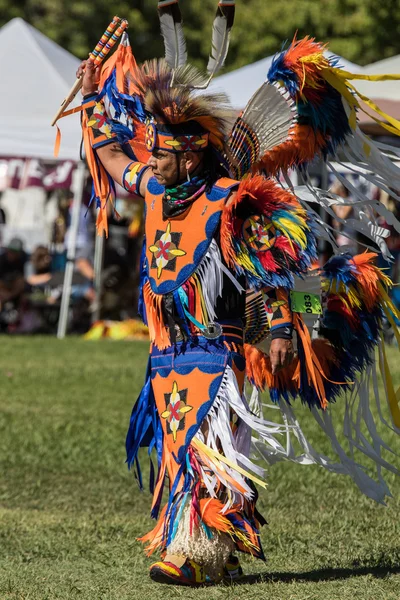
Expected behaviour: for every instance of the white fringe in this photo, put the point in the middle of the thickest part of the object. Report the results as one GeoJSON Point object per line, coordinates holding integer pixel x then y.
{"type": "Point", "coordinates": [210, 273]}
{"type": "Point", "coordinates": [374, 163]}
{"type": "Point", "coordinates": [358, 426]}
{"type": "Point", "coordinates": [234, 446]}
{"type": "Point", "coordinates": [360, 430]}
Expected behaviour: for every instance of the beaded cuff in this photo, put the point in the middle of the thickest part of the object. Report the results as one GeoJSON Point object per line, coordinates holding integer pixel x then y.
{"type": "Point", "coordinates": [97, 123]}
{"type": "Point", "coordinates": [282, 316]}
{"type": "Point", "coordinates": [132, 177]}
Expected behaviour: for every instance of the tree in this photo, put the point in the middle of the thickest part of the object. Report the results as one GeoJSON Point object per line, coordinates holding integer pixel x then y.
{"type": "Point", "coordinates": [362, 31]}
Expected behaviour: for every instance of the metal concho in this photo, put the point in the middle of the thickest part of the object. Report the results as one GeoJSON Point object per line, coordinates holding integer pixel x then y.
{"type": "Point", "coordinates": [212, 331]}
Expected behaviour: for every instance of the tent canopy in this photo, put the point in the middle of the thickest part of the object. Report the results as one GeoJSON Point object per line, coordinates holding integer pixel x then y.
{"type": "Point", "coordinates": [241, 84]}
{"type": "Point", "coordinates": [36, 74]}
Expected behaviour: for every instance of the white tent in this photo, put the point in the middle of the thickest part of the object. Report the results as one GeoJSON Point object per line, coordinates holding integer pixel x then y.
{"type": "Point", "coordinates": [241, 84]}
{"type": "Point", "coordinates": [36, 74]}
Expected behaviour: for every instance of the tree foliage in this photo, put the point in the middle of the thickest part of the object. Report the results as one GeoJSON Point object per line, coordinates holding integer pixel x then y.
{"type": "Point", "coordinates": [362, 31]}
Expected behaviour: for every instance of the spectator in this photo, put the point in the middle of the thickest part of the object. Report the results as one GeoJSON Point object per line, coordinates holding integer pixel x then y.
{"type": "Point", "coordinates": [41, 267]}
{"type": "Point", "coordinates": [2, 222]}
{"type": "Point", "coordinates": [2, 214]}
{"type": "Point", "coordinates": [12, 271]}
{"type": "Point", "coordinates": [45, 287]}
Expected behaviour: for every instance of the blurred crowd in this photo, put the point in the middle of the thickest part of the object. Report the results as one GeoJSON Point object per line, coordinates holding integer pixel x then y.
{"type": "Point", "coordinates": [31, 283]}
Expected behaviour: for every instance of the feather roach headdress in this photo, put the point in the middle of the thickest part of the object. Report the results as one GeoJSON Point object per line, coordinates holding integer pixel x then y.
{"type": "Point", "coordinates": [178, 118]}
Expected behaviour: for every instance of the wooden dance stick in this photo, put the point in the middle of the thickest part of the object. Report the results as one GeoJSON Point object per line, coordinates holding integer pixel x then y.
{"type": "Point", "coordinates": [102, 49]}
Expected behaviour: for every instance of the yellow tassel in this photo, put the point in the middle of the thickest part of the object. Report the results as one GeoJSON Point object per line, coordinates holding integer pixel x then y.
{"type": "Point", "coordinates": [339, 79]}
{"type": "Point", "coordinates": [214, 455]}
{"type": "Point", "coordinates": [393, 398]}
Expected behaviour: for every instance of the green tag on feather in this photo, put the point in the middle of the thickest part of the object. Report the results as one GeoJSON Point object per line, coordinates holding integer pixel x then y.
{"type": "Point", "coordinates": [302, 302]}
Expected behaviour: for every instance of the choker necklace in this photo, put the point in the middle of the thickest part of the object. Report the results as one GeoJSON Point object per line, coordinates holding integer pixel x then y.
{"type": "Point", "coordinates": [178, 198]}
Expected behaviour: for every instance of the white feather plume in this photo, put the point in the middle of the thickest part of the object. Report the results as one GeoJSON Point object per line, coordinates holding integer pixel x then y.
{"type": "Point", "coordinates": [219, 44]}
{"type": "Point", "coordinates": [174, 38]}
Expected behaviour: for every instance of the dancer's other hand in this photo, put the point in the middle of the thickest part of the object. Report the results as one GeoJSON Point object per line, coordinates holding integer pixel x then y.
{"type": "Point", "coordinates": [281, 354]}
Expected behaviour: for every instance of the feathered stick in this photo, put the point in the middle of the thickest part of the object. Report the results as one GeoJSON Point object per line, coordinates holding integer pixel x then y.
{"type": "Point", "coordinates": [172, 32]}
{"type": "Point", "coordinates": [107, 41]}
{"type": "Point", "coordinates": [221, 33]}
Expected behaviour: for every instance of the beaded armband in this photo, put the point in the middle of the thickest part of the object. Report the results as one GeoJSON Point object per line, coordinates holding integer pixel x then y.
{"type": "Point", "coordinates": [96, 122]}
{"type": "Point", "coordinates": [281, 321]}
{"type": "Point", "coordinates": [132, 177]}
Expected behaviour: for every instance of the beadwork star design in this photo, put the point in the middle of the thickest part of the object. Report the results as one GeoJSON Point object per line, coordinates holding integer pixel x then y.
{"type": "Point", "coordinates": [259, 233]}
{"type": "Point", "coordinates": [176, 409]}
{"type": "Point", "coordinates": [98, 121]}
{"type": "Point", "coordinates": [184, 143]}
{"type": "Point", "coordinates": [165, 250]}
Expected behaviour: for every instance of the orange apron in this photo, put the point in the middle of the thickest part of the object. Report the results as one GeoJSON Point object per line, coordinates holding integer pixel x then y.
{"type": "Point", "coordinates": [176, 246]}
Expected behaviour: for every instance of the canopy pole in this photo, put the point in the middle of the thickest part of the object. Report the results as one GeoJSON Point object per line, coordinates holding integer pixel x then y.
{"type": "Point", "coordinates": [78, 187]}
{"type": "Point", "coordinates": [98, 276]}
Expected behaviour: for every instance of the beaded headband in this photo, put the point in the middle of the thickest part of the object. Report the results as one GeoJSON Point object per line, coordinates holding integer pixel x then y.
{"type": "Point", "coordinates": [172, 142]}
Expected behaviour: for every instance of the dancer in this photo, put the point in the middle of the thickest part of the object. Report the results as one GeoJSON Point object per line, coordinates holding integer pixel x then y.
{"type": "Point", "coordinates": [224, 246]}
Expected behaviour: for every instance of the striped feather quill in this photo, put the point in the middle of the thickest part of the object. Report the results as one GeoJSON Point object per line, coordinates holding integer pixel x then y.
{"type": "Point", "coordinates": [222, 27]}
{"type": "Point", "coordinates": [172, 32]}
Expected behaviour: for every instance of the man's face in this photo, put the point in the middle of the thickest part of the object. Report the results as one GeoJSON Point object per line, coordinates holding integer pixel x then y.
{"type": "Point", "coordinates": [165, 167]}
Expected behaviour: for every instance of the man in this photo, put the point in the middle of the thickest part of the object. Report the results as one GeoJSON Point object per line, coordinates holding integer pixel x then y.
{"type": "Point", "coordinates": [219, 233]}
{"type": "Point", "coordinates": [190, 408]}
{"type": "Point", "coordinates": [12, 269]}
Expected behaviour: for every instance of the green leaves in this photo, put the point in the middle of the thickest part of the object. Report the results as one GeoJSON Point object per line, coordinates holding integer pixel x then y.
{"type": "Point", "coordinates": [362, 31]}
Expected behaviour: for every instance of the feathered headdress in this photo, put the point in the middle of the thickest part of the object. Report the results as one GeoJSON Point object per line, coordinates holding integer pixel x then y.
{"type": "Point", "coordinates": [178, 118]}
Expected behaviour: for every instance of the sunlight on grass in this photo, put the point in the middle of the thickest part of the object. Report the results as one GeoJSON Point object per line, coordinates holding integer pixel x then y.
{"type": "Point", "coordinates": [70, 511]}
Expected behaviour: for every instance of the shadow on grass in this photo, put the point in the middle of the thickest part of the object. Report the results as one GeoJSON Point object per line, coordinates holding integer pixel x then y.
{"type": "Point", "coordinates": [318, 575]}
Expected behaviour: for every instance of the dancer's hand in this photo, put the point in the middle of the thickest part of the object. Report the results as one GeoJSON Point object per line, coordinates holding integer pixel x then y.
{"type": "Point", "coordinates": [90, 73]}
{"type": "Point", "coordinates": [281, 354]}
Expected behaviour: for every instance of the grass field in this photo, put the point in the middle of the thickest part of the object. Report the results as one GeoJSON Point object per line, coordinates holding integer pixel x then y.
{"type": "Point", "coordinates": [70, 511]}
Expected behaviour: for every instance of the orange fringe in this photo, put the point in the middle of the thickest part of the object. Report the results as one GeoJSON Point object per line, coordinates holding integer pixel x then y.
{"type": "Point", "coordinates": [313, 366]}
{"type": "Point", "coordinates": [157, 329]}
{"type": "Point", "coordinates": [99, 175]}
{"type": "Point", "coordinates": [258, 370]}
{"type": "Point", "coordinates": [154, 537]}
{"type": "Point", "coordinates": [319, 356]}
{"type": "Point", "coordinates": [302, 146]}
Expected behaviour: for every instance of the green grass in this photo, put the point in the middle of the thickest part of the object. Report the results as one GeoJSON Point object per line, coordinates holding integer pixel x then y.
{"type": "Point", "coordinates": [70, 511]}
